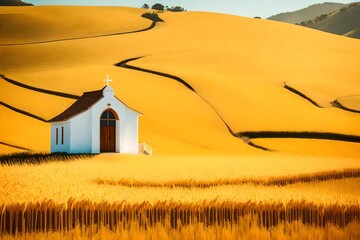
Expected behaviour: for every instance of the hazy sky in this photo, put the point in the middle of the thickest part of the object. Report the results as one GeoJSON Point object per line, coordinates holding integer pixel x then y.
{"type": "Point", "coordinates": [249, 8]}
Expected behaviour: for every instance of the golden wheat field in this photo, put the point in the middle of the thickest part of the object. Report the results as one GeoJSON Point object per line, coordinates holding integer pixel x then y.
{"type": "Point", "coordinates": [254, 125]}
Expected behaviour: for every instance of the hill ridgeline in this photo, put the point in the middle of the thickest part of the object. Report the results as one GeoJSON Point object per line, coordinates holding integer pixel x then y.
{"type": "Point", "coordinates": [14, 3]}
{"type": "Point", "coordinates": [308, 13]}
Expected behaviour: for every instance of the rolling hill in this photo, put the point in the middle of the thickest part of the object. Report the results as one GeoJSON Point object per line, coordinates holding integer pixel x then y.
{"type": "Point", "coordinates": [209, 92]}
{"type": "Point", "coordinates": [254, 124]}
{"type": "Point", "coordinates": [345, 21]}
{"type": "Point", "coordinates": [308, 13]}
{"type": "Point", "coordinates": [14, 3]}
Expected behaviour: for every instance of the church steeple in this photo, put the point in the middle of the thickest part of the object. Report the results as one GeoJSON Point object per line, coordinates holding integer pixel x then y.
{"type": "Point", "coordinates": [108, 91]}
{"type": "Point", "coordinates": [107, 80]}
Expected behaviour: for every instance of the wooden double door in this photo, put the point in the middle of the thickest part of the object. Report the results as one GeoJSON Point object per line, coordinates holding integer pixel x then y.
{"type": "Point", "coordinates": [107, 132]}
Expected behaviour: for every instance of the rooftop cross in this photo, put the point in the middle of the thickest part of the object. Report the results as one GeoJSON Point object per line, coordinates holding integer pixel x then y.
{"type": "Point", "coordinates": [107, 80]}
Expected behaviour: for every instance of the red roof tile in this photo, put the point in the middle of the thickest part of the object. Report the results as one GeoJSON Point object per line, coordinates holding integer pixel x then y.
{"type": "Point", "coordinates": [86, 101]}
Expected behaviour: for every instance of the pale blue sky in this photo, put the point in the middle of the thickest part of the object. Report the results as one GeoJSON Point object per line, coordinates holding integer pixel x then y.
{"type": "Point", "coordinates": [248, 8]}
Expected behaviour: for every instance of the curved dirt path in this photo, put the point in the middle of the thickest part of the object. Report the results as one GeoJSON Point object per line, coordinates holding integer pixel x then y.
{"type": "Point", "coordinates": [153, 24]}
{"type": "Point", "coordinates": [46, 91]}
{"type": "Point", "coordinates": [13, 146]}
{"type": "Point", "coordinates": [124, 64]}
{"type": "Point", "coordinates": [22, 112]}
{"type": "Point", "coordinates": [335, 103]}
{"type": "Point", "coordinates": [301, 135]}
{"type": "Point", "coordinates": [247, 136]}
{"type": "Point", "coordinates": [293, 90]}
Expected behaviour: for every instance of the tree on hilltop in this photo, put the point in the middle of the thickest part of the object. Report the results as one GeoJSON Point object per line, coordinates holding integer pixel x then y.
{"type": "Point", "coordinates": [176, 9]}
{"type": "Point", "coordinates": [158, 6]}
{"type": "Point", "coordinates": [145, 6]}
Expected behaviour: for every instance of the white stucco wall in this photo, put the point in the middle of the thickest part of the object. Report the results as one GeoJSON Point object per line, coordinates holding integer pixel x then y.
{"type": "Point", "coordinates": [60, 147]}
{"type": "Point", "coordinates": [131, 132]}
{"type": "Point", "coordinates": [85, 128]}
{"type": "Point", "coordinates": [80, 140]}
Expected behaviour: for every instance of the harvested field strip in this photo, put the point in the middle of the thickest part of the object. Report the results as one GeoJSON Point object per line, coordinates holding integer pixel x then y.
{"type": "Point", "coordinates": [273, 181]}
{"type": "Point", "coordinates": [337, 104]}
{"type": "Point", "coordinates": [59, 94]}
{"type": "Point", "coordinates": [153, 24]}
{"type": "Point", "coordinates": [13, 146]}
{"type": "Point", "coordinates": [22, 112]}
{"type": "Point", "coordinates": [293, 90]}
{"type": "Point", "coordinates": [38, 158]}
{"type": "Point", "coordinates": [303, 135]}
{"type": "Point", "coordinates": [49, 216]}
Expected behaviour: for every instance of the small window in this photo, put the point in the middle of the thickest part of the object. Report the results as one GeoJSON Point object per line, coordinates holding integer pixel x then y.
{"type": "Point", "coordinates": [104, 115]}
{"type": "Point", "coordinates": [108, 118]}
{"type": "Point", "coordinates": [57, 136]}
{"type": "Point", "coordinates": [62, 135]}
{"type": "Point", "coordinates": [111, 115]}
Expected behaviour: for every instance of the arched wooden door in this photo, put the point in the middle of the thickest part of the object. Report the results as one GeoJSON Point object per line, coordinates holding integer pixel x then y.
{"type": "Point", "coordinates": [108, 131]}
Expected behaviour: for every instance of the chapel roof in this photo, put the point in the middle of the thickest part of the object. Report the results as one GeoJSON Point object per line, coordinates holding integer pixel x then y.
{"type": "Point", "coordinates": [86, 101]}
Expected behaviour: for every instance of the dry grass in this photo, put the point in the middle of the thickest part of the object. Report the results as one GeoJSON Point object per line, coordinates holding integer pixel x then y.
{"type": "Point", "coordinates": [60, 181]}
{"type": "Point", "coordinates": [86, 219]}
{"type": "Point", "coordinates": [295, 230]}
{"type": "Point", "coordinates": [48, 216]}
{"type": "Point", "coordinates": [59, 199]}
{"type": "Point", "coordinates": [238, 75]}
{"type": "Point", "coordinates": [191, 183]}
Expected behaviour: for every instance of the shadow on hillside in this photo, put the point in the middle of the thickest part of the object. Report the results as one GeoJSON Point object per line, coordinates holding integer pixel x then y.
{"type": "Point", "coordinates": [152, 16]}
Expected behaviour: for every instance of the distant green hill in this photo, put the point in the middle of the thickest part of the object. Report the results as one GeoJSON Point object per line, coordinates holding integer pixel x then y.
{"type": "Point", "coordinates": [345, 21]}
{"type": "Point", "coordinates": [14, 3]}
{"type": "Point", "coordinates": [308, 13]}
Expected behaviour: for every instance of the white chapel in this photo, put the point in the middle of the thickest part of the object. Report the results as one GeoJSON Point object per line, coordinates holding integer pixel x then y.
{"type": "Point", "coordinates": [97, 122]}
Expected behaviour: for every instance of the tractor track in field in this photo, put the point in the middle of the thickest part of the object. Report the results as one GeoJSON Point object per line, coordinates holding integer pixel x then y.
{"type": "Point", "coordinates": [55, 93]}
{"type": "Point", "coordinates": [23, 112]}
{"type": "Point", "coordinates": [153, 24]}
{"type": "Point", "coordinates": [13, 146]}
{"type": "Point", "coordinates": [293, 90]}
{"type": "Point", "coordinates": [41, 90]}
{"type": "Point", "coordinates": [124, 64]}
{"type": "Point", "coordinates": [248, 135]}
{"type": "Point", "coordinates": [335, 103]}
{"type": "Point", "coordinates": [301, 135]}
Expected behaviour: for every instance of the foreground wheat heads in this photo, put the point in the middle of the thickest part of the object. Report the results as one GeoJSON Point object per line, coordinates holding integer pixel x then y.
{"type": "Point", "coordinates": [89, 217]}
{"type": "Point", "coordinates": [294, 230]}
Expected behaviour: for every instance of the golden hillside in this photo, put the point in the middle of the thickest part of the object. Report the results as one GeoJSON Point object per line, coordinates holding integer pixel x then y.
{"type": "Point", "coordinates": [227, 75]}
